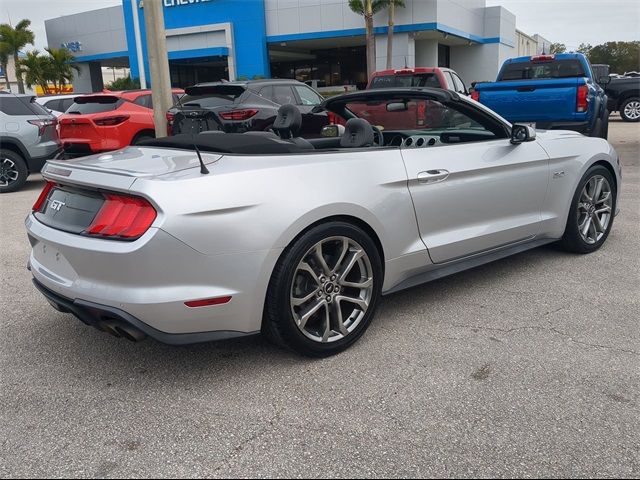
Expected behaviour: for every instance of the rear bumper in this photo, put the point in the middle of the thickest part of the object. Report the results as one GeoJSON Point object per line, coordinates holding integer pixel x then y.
{"type": "Point", "coordinates": [35, 164]}
{"type": "Point", "coordinates": [122, 324]}
{"type": "Point", "coordinates": [145, 283]}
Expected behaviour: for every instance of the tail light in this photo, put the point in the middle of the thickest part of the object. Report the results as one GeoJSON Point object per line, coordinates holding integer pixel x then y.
{"type": "Point", "coordinates": [582, 99]}
{"type": "Point", "coordinates": [43, 196]}
{"type": "Point", "coordinates": [123, 217]}
{"type": "Point", "coordinates": [111, 121]}
{"type": "Point", "coordinates": [170, 117]}
{"type": "Point", "coordinates": [543, 58]}
{"type": "Point", "coordinates": [239, 114]}
{"type": "Point", "coordinates": [43, 124]}
{"type": "Point", "coordinates": [475, 95]}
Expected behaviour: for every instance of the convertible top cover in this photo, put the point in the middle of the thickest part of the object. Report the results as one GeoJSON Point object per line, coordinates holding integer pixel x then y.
{"type": "Point", "coordinates": [244, 143]}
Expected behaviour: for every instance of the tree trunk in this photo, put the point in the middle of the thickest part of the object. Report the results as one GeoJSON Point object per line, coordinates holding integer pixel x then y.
{"type": "Point", "coordinates": [371, 40]}
{"type": "Point", "coordinates": [16, 66]}
{"type": "Point", "coordinates": [392, 11]}
{"type": "Point", "coordinates": [6, 76]}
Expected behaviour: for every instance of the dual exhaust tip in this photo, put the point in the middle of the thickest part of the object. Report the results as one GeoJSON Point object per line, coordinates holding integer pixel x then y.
{"type": "Point", "coordinates": [121, 330]}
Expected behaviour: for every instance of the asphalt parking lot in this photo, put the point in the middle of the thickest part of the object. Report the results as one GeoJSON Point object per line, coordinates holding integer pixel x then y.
{"type": "Point", "coordinates": [525, 367]}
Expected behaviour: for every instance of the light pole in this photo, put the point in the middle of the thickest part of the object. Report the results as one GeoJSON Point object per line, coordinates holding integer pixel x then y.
{"type": "Point", "coordinates": [158, 64]}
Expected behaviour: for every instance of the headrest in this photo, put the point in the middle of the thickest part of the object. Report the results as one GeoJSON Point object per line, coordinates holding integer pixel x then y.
{"type": "Point", "coordinates": [358, 133]}
{"type": "Point", "coordinates": [288, 122]}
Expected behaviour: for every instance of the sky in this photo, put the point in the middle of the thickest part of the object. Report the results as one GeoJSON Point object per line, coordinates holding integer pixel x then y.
{"type": "Point", "coordinates": [571, 22]}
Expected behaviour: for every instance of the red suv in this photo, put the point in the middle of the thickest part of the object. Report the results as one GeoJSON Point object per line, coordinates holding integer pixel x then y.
{"type": "Point", "coordinates": [419, 77]}
{"type": "Point", "coordinates": [108, 121]}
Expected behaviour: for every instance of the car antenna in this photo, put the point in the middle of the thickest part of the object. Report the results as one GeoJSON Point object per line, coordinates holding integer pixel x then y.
{"type": "Point", "coordinates": [203, 168]}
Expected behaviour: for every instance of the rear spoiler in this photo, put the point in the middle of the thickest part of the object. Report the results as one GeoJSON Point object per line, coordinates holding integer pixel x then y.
{"type": "Point", "coordinates": [221, 89]}
{"type": "Point", "coordinates": [97, 99]}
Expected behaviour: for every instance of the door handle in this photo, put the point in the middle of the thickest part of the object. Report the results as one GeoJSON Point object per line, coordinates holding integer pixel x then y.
{"type": "Point", "coordinates": [433, 176]}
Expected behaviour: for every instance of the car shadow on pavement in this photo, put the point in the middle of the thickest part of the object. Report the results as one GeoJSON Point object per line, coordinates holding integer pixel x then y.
{"type": "Point", "coordinates": [154, 363]}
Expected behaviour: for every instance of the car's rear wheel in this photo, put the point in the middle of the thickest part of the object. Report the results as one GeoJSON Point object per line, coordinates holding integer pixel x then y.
{"type": "Point", "coordinates": [142, 137]}
{"type": "Point", "coordinates": [324, 290]}
{"type": "Point", "coordinates": [630, 110]}
{"type": "Point", "coordinates": [592, 212]}
{"type": "Point", "coordinates": [13, 171]}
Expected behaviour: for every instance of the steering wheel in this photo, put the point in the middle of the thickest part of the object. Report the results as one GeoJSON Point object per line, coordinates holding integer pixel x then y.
{"type": "Point", "coordinates": [378, 137]}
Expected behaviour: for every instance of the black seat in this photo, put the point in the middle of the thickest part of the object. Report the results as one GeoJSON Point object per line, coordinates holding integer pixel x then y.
{"type": "Point", "coordinates": [287, 125]}
{"type": "Point", "coordinates": [358, 133]}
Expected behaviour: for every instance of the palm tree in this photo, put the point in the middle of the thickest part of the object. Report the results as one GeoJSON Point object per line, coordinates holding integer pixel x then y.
{"type": "Point", "coordinates": [391, 6]}
{"type": "Point", "coordinates": [15, 39]}
{"type": "Point", "coordinates": [36, 69]}
{"type": "Point", "coordinates": [368, 8]}
{"type": "Point", "coordinates": [61, 67]}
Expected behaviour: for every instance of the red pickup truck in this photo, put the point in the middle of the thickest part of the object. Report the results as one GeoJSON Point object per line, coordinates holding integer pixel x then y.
{"type": "Point", "coordinates": [419, 114]}
{"type": "Point", "coordinates": [434, 77]}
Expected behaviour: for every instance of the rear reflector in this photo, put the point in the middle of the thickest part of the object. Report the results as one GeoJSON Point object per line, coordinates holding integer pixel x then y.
{"type": "Point", "coordinates": [582, 99]}
{"type": "Point", "coordinates": [238, 114]}
{"type": "Point", "coordinates": [43, 196]}
{"type": "Point", "coordinates": [111, 121]}
{"type": "Point", "coordinates": [122, 216]}
{"type": "Point", "coordinates": [207, 302]}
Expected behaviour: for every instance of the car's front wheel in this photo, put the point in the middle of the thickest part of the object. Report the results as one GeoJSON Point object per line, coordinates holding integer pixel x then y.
{"type": "Point", "coordinates": [592, 212]}
{"type": "Point", "coordinates": [324, 290]}
{"type": "Point", "coordinates": [13, 171]}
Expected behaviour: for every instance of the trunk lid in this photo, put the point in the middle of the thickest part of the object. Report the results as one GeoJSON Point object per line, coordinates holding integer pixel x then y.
{"type": "Point", "coordinates": [532, 101]}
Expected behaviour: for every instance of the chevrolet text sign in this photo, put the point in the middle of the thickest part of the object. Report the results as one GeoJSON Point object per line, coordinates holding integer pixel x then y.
{"type": "Point", "coordinates": [177, 3]}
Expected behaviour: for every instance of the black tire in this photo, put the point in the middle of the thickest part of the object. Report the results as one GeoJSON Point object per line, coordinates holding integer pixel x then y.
{"type": "Point", "coordinates": [624, 105]}
{"type": "Point", "coordinates": [572, 241]}
{"type": "Point", "coordinates": [142, 137]}
{"type": "Point", "coordinates": [597, 128]}
{"type": "Point", "coordinates": [13, 171]}
{"type": "Point", "coordinates": [605, 125]}
{"type": "Point", "coordinates": [279, 324]}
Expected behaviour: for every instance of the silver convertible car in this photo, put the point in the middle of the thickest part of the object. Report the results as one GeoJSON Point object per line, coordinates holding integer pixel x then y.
{"type": "Point", "coordinates": [215, 235]}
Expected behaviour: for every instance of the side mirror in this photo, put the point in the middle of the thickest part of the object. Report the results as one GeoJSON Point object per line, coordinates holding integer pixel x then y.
{"type": "Point", "coordinates": [604, 80]}
{"type": "Point", "coordinates": [522, 133]}
{"type": "Point", "coordinates": [332, 131]}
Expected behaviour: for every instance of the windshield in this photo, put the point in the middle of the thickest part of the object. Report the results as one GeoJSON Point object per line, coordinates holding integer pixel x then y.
{"type": "Point", "coordinates": [400, 81]}
{"type": "Point", "coordinates": [542, 70]}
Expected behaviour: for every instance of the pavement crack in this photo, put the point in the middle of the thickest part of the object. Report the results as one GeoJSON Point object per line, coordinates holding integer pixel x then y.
{"type": "Point", "coordinates": [549, 329]}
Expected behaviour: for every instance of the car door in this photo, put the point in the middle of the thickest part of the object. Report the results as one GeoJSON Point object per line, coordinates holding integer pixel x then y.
{"type": "Point", "coordinates": [472, 189]}
{"type": "Point", "coordinates": [307, 99]}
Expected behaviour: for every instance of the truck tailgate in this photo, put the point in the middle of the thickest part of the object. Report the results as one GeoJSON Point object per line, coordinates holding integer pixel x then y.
{"type": "Point", "coordinates": [532, 101]}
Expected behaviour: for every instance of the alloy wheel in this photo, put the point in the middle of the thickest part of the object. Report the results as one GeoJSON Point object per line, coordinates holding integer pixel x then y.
{"type": "Point", "coordinates": [632, 110]}
{"type": "Point", "coordinates": [8, 172]}
{"type": "Point", "coordinates": [331, 290]}
{"type": "Point", "coordinates": [594, 209]}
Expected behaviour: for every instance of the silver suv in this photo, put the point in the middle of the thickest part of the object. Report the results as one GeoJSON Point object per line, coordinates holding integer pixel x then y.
{"type": "Point", "coordinates": [28, 138]}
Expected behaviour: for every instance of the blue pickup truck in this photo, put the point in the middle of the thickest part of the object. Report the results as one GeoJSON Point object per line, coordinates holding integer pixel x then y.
{"type": "Point", "coordinates": [552, 91]}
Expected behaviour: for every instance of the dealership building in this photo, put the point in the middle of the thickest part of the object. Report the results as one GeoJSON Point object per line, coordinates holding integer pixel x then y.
{"type": "Point", "coordinates": [320, 41]}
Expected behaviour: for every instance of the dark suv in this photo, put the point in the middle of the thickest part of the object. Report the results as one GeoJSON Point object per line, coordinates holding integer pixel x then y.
{"type": "Point", "coordinates": [28, 138]}
{"type": "Point", "coordinates": [236, 107]}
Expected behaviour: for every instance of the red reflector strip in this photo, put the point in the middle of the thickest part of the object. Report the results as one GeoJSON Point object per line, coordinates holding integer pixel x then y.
{"type": "Point", "coordinates": [43, 196]}
{"type": "Point", "coordinates": [207, 302]}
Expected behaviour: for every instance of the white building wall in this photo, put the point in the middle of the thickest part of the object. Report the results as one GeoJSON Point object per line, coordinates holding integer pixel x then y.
{"type": "Point", "coordinates": [526, 45]}
{"type": "Point", "coordinates": [404, 51]}
{"type": "Point", "coordinates": [426, 53]}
